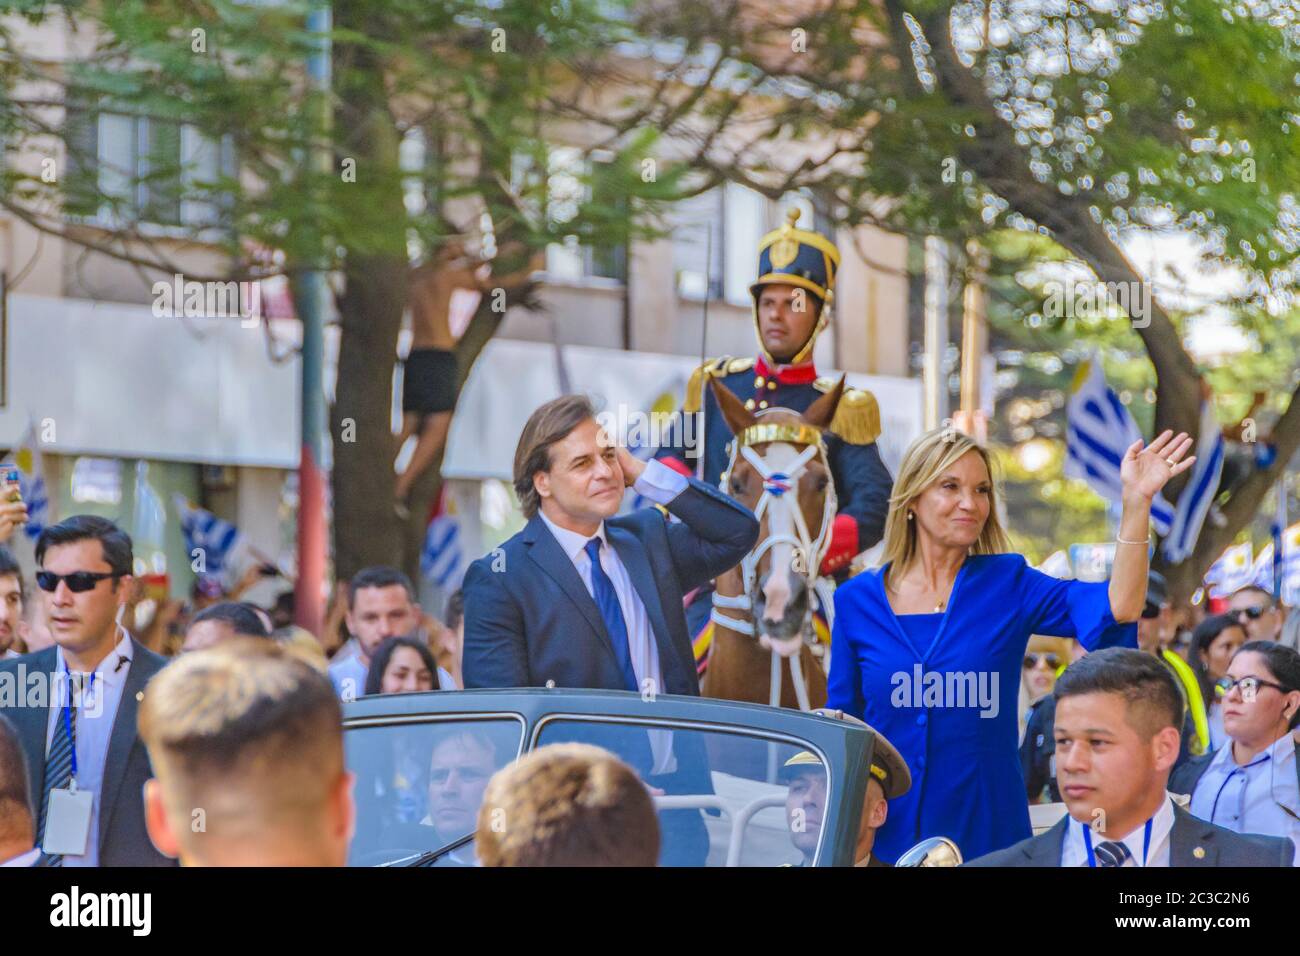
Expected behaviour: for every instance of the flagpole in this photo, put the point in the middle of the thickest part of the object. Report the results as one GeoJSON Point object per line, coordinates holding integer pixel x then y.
{"type": "Point", "coordinates": [312, 290]}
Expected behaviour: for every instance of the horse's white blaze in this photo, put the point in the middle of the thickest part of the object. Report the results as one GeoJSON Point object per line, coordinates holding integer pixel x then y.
{"type": "Point", "coordinates": [777, 591]}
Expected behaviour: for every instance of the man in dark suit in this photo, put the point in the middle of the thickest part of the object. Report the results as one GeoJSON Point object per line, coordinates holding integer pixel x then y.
{"type": "Point", "coordinates": [540, 609]}
{"type": "Point", "coordinates": [1118, 713]}
{"type": "Point", "coordinates": [76, 703]}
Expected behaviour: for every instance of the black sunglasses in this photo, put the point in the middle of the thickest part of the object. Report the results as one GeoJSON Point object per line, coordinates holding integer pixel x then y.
{"type": "Point", "coordinates": [1249, 686]}
{"type": "Point", "coordinates": [78, 581]}
{"type": "Point", "coordinates": [1256, 612]}
{"type": "Point", "coordinates": [1150, 611]}
{"type": "Point", "coordinates": [1053, 660]}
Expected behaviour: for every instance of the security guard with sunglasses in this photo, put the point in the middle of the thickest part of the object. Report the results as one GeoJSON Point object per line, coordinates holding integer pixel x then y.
{"type": "Point", "coordinates": [791, 306]}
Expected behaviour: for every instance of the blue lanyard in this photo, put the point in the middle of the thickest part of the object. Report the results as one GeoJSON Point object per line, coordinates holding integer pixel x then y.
{"type": "Point", "coordinates": [67, 718]}
{"type": "Point", "coordinates": [1146, 843]}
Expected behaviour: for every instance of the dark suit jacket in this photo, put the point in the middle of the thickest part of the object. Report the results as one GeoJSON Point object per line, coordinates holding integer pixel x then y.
{"type": "Point", "coordinates": [529, 618]}
{"type": "Point", "coordinates": [1222, 847]}
{"type": "Point", "coordinates": [123, 840]}
{"type": "Point", "coordinates": [1185, 778]}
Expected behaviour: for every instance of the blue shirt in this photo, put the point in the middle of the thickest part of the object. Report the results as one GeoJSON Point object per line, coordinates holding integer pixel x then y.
{"type": "Point", "coordinates": [943, 689]}
{"type": "Point", "coordinates": [1255, 797]}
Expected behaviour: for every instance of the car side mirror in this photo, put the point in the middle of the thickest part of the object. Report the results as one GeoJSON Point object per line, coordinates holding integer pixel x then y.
{"type": "Point", "coordinates": [936, 851]}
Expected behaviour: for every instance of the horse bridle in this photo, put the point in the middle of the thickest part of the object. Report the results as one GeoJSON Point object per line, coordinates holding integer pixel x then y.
{"type": "Point", "coordinates": [775, 486]}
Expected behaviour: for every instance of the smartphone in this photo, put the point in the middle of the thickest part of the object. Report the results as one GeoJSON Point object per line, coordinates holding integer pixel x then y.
{"type": "Point", "coordinates": [10, 472]}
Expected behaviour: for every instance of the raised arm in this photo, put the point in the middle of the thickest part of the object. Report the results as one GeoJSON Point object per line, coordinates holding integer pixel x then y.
{"type": "Point", "coordinates": [1143, 473]}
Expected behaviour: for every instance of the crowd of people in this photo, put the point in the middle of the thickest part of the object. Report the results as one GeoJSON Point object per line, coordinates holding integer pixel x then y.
{"type": "Point", "coordinates": [1168, 733]}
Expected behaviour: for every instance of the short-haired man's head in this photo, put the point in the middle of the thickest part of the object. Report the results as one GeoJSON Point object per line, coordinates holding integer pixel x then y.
{"type": "Point", "coordinates": [548, 425]}
{"type": "Point", "coordinates": [381, 604]}
{"type": "Point", "coordinates": [379, 576]}
{"type": "Point", "coordinates": [9, 565]}
{"type": "Point", "coordinates": [116, 543]}
{"type": "Point", "coordinates": [1153, 700]}
{"type": "Point", "coordinates": [251, 736]}
{"type": "Point", "coordinates": [223, 621]}
{"type": "Point", "coordinates": [567, 805]}
{"type": "Point", "coordinates": [16, 826]}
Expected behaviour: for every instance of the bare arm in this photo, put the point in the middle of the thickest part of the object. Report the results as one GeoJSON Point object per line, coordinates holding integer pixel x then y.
{"type": "Point", "coordinates": [1144, 472]}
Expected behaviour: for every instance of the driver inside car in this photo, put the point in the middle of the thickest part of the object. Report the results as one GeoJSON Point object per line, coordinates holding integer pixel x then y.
{"type": "Point", "coordinates": [805, 801]}
{"type": "Point", "coordinates": [459, 771]}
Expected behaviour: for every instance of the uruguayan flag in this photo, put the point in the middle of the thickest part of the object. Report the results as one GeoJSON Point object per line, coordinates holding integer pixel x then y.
{"type": "Point", "coordinates": [209, 540]}
{"type": "Point", "coordinates": [1291, 566]}
{"type": "Point", "coordinates": [31, 482]}
{"type": "Point", "coordinates": [442, 559]}
{"type": "Point", "coordinates": [1194, 503]}
{"type": "Point", "coordinates": [1233, 570]}
{"type": "Point", "coordinates": [1099, 431]}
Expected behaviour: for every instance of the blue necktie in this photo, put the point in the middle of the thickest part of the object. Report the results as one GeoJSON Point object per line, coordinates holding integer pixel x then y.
{"type": "Point", "coordinates": [58, 773]}
{"type": "Point", "coordinates": [602, 589]}
{"type": "Point", "coordinates": [1112, 853]}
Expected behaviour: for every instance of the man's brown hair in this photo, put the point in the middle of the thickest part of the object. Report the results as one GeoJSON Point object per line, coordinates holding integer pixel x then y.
{"type": "Point", "coordinates": [246, 732]}
{"type": "Point", "coordinates": [567, 805]}
{"type": "Point", "coordinates": [549, 424]}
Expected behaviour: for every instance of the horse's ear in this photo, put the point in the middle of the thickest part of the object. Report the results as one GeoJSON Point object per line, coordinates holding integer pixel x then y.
{"type": "Point", "coordinates": [821, 413]}
{"type": "Point", "coordinates": [734, 412]}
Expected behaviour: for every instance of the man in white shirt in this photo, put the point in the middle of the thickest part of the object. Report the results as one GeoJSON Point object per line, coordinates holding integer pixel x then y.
{"type": "Point", "coordinates": [86, 761]}
{"type": "Point", "coordinates": [381, 604]}
{"type": "Point", "coordinates": [1118, 714]}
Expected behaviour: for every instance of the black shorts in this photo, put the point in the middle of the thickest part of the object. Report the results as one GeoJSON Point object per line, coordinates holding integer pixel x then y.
{"type": "Point", "coordinates": [429, 382]}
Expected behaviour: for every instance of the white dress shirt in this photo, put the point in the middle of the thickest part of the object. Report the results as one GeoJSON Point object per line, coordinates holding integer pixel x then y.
{"type": "Point", "coordinates": [24, 859]}
{"type": "Point", "coordinates": [660, 484]}
{"type": "Point", "coordinates": [348, 677]}
{"type": "Point", "coordinates": [1074, 851]}
{"type": "Point", "coordinates": [95, 718]}
{"type": "Point", "coordinates": [1253, 798]}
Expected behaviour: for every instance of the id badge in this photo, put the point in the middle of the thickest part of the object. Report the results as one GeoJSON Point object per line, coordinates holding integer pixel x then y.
{"type": "Point", "coordinates": [67, 823]}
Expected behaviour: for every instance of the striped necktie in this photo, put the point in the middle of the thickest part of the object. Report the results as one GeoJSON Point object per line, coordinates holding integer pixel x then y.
{"type": "Point", "coordinates": [1110, 853]}
{"type": "Point", "coordinates": [58, 772]}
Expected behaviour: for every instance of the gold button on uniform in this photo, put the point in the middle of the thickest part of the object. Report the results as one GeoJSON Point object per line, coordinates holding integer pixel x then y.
{"type": "Point", "coordinates": [749, 404]}
{"type": "Point", "coordinates": [758, 382]}
{"type": "Point", "coordinates": [762, 404]}
{"type": "Point", "coordinates": [1199, 853]}
{"type": "Point", "coordinates": [771, 385]}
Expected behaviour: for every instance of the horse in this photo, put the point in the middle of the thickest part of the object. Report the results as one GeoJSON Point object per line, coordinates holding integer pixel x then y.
{"type": "Point", "coordinates": [762, 609]}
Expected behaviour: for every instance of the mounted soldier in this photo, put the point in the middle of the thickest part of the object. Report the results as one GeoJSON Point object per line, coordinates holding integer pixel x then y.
{"type": "Point", "coordinates": [792, 299]}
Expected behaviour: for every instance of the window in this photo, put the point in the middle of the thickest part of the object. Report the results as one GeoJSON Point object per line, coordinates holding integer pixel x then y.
{"type": "Point", "coordinates": [123, 168]}
{"type": "Point", "coordinates": [573, 181]}
{"type": "Point", "coordinates": [697, 245]}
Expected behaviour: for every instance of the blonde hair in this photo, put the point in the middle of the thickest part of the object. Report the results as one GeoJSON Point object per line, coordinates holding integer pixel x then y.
{"type": "Point", "coordinates": [567, 805]}
{"type": "Point", "coordinates": [923, 464]}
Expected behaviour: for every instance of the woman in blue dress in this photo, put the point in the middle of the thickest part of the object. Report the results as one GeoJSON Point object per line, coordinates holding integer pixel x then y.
{"type": "Point", "coordinates": [928, 648]}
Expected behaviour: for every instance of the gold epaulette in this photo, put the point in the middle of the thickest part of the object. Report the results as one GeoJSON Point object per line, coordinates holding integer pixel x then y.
{"type": "Point", "coordinates": [857, 419]}
{"type": "Point", "coordinates": [695, 387]}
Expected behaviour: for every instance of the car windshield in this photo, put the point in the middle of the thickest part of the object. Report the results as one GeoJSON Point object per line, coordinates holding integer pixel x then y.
{"type": "Point", "coordinates": [724, 798]}
{"type": "Point", "coordinates": [419, 785]}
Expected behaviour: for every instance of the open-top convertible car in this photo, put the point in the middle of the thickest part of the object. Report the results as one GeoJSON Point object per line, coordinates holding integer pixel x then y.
{"type": "Point", "coordinates": [720, 771]}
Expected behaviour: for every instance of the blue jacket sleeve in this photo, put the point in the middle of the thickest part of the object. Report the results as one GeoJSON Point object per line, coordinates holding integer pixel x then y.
{"type": "Point", "coordinates": [863, 486]}
{"type": "Point", "coordinates": [496, 650]}
{"type": "Point", "coordinates": [844, 683]}
{"type": "Point", "coordinates": [1078, 609]}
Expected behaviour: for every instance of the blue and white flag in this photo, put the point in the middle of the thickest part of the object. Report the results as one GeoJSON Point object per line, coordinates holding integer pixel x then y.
{"type": "Point", "coordinates": [1099, 431]}
{"type": "Point", "coordinates": [1232, 571]}
{"type": "Point", "coordinates": [442, 559]}
{"type": "Point", "coordinates": [1194, 503]}
{"type": "Point", "coordinates": [209, 540]}
{"type": "Point", "coordinates": [31, 482]}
